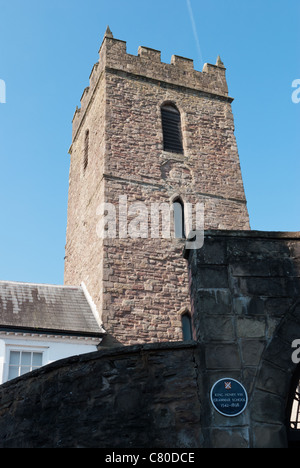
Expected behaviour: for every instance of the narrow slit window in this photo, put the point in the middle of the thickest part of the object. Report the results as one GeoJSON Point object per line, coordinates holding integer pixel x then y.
{"type": "Point", "coordinates": [171, 124]}
{"type": "Point", "coordinates": [179, 225]}
{"type": "Point", "coordinates": [187, 332]}
{"type": "Point", "coordinates": [86, 150]}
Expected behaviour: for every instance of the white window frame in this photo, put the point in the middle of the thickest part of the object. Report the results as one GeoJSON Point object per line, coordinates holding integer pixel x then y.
{"type": "Point", "coordinates": [19, 349]}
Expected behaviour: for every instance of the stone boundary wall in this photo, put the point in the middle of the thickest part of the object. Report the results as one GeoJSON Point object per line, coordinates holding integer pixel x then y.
{"type": "Point", "coordinates": [139, 396]}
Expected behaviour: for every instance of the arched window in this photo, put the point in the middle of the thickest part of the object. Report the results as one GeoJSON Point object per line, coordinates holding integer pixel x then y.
{"type": "Point", "coordinates": [187, 331]}
{"type": "Point", "coordinates": [179, 225]}
{"type": "Point", "coordinates": [86, 150]}
{"type": "Point", "coordinates": [171, 124]}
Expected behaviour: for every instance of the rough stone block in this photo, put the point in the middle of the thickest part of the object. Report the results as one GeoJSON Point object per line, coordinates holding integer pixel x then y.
{"type": "Point", "coordinates": [270, 436]}
{"type": "Point", "coordinates": [214, 301]}
{"type": "Point", "coordinates": [267, 407]}
{"type": "Point", "coordinates": [223, 356]}
{"type": "Point", "coordinates": [218, 328]}
{"type": "Point", "coordinates": [251, 327]}
{"type": "Point", "coordinates": [252, 351]}
{"type": "Point", "coordinates": [212, 277]}
{"type": "Point", "coordinates": [273, 380]}
{"type": "Point", "coordinates": [237, 437]}
{"type": "Point", "coordinates": [212, 253]}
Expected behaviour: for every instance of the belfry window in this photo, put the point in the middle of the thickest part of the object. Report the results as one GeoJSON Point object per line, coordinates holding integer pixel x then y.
{"type": "Point", "coordinates": [171, 124]}
{"type": "Point", "coordinates": [187, 332]}
{"type": "Point", "coordinates": [179, 224]}
{"type": "Point", "coordinates": [86, 150]}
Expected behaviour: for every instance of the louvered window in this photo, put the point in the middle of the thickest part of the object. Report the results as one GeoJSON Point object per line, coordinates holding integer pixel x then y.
{"type": "Point", "coordinates": [171, 123]}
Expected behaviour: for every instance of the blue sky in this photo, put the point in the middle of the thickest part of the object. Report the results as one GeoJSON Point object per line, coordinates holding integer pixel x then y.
{"type": "Point", "coordinates": [47, 50]}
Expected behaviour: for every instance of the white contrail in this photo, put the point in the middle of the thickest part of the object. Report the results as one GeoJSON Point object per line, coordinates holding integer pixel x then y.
{"type": "Point", "coordinates": [195, 30]}
{"type": "Point", "coordinates": [2, 92]}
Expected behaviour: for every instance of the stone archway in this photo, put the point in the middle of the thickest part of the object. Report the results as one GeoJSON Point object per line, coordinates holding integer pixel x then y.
{"type": "Point", "coordinates": [268, 407]}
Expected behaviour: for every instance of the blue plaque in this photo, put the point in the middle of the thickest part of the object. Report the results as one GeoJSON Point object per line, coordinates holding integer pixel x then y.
{"type": "Point", "coordinates": [229, 397]}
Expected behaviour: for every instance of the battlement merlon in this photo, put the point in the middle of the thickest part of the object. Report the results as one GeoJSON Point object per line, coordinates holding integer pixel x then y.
{"type": "Point", "coordinates": [113, 57]}
{"type": "Point", "coordinates": [147, 63]}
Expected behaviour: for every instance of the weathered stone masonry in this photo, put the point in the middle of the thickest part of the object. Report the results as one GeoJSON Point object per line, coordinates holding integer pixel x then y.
{"type": "Point", "coordinates": [245, 293]}
{"type": "Point", "coordinates": [140, 286]}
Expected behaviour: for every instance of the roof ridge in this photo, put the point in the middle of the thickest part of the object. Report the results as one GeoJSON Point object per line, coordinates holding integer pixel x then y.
{"type": "Point", "coordinates": [41, 284]}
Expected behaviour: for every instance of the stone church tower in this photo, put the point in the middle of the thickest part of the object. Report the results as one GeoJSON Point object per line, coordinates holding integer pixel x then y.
{"type": "Point", "coordinates": [153, 133]}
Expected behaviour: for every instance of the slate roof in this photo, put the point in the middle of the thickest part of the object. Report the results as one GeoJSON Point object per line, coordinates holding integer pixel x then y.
{"type": "Point", "coordinates": [46, 308]}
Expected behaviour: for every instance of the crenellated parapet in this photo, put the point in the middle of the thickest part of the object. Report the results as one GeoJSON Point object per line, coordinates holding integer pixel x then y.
{"type": "Point", "coordinates": [147, 65]}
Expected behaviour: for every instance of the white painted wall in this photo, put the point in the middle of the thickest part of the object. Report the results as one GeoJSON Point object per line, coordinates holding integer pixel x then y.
{"type": "Point", "coordinates": [53, 348]}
